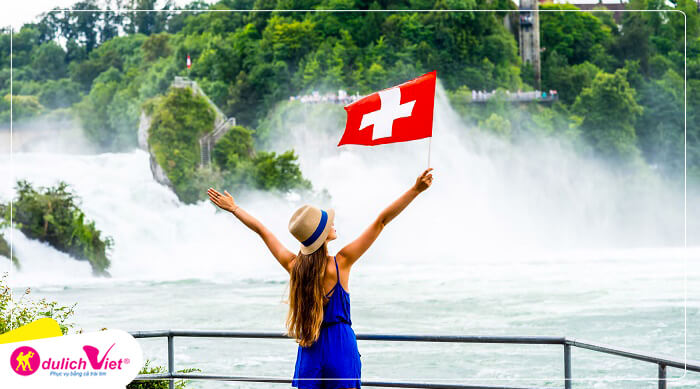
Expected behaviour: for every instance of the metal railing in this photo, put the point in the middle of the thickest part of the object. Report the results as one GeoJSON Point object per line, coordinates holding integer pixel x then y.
{"type": "Point", "coordinates": [662, 362]}
{"type": "Point", "coordinates": [208, 141]}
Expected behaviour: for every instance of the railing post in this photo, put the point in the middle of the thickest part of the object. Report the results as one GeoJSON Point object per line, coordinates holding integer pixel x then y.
{"type": "Point", "coordinates": [662, 376]}
{"type": "Point", "coordinates": [567, 366]}
{"type": "Point", "coordinates": [171, 361]}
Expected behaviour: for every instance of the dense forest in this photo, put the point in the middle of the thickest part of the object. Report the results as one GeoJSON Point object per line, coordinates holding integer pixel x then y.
{"type": "Point", "coordinates": [621, 86]}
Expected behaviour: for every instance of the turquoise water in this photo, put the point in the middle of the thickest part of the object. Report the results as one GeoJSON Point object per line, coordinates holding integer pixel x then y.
{"type": "Point", "coordinates": [529, 239]}
{"type": "Point", "coordinates": [635, 303]}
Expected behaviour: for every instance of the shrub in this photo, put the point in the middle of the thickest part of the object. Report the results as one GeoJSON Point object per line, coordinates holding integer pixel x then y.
{"type": "Point", "coordinates": [16, 313]}
{"type": "Point", "coordinates": [162, 384]}
{"type": "Point", "coordinates": [5, 252]}
{"type": "Point", "coordinates": [53, 216]}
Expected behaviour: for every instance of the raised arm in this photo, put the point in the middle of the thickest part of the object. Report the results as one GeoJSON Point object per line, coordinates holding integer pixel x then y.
{"type": "Point", "coordinates": [225, 201]}
{"type": "Point", "coordinates": [354, 250]}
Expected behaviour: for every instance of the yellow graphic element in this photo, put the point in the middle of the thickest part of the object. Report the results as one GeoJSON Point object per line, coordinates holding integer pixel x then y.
{"type": "Point", "coordinates": [38, 329]}
{"type": "Point", "coordinates": [23, 360]}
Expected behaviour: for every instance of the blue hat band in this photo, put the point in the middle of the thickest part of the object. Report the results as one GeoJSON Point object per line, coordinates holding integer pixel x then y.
{"type": "Point", "coordinates": [319, 229]}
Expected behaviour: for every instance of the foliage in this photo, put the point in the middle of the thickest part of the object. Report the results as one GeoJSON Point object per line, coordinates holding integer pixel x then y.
{"type": "Point", "coordinates": [5, 252]}
{"type": "Point", "coordinates": [574, 35]}
{"type": "Point", "coordinates": [60, 93]}
{"type": "Point", "coordinates": [52, 215]}
{"type": "Point", "coordinates": [278, 172]}
{"type": "Point", "coordinates": [497, 125]}
{"type": "Point", "coordinates": [162, 384]}
{"type": "Point", "coordinates": [22, 107]}
{"type": "Point", "coordinates": [156, 46]}
{"type": "Point", "coordinates": [179, 120]}
{"type": "Point", "coordinates": [567, 80]}
{"type": "Point", "coordinates": [250, 62]}
{"type": "Point", "coordinates": [609, 109]}
{"type": "Point", "coordinates": [48, 62]}
{"type": "Point", "coordinates": [109, 114]}
{"type": "Point", "coordinates": [660, 127]}
{"type": "Point", "coordinates": [15, 313]}
{"type": "Point", "coordinates": [234, 148]}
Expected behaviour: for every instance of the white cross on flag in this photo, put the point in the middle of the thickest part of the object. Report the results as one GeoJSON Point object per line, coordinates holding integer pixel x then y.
{"type": "Point", "coordinates": [189, 62]}
{"type": "Point", "coordinates": [397, 114]}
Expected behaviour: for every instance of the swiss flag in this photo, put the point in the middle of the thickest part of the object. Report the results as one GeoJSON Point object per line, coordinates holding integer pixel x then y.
{"type": "Point", "coordinates": [397, 114]}
{"type": "Point", "coordinates": [189, 62]}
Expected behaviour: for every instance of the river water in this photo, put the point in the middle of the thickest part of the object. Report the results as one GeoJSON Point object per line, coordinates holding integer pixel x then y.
{"type": "Point", "coordinates": [530, 239]}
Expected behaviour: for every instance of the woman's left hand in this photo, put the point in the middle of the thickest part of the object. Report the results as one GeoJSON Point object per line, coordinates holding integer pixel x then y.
{"type": "Point", "coordinates": [424, 181]}
{"type": "Point", "coordinates": [224, 202]}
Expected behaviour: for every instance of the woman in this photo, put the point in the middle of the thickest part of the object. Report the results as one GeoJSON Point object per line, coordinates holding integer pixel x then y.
{"type": "Point", "coordinates": [319, 301]}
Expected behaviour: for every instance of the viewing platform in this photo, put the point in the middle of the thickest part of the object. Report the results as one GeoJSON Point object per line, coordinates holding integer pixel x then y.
{"type": "Point", "coordinates": [662, 362]}
{"type": "Point", "coordinates": [537, 96]}
{"type": "Point", "coordinates": [482, 96]}
{"type": "Point", "coordinates": [340, 98]}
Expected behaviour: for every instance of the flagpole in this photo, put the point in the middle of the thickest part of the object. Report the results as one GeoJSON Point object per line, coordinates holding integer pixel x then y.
{"type": "Point", "coordinates": [430, 141]}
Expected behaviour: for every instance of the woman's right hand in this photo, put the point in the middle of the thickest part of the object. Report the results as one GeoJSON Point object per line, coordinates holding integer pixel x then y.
{"type": "Point", "coordinates": [423, 181]}
{"type": "Point", "coordinates": [224, 202]}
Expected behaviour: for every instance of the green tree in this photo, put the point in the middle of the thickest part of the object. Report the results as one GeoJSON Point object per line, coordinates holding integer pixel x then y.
{"type": "Point", "coordinates": [60, 93]}
{"type": "Point", "coordinates": [567, 80]}
{"type": "Point", "coordinates": [179, 119]}
{"type": "Point", "coordinates": [5, 249]}
{"type": "Point", "coordinates": [146, 23]}
{"type": "Point", "coordinates": [497, 125]}
{"type": "Point", "coordinates": [82, 25]}
{"type": "Point", "coordinates": [236, 145]}
{"type": "Point", "coordinates": [52, 215]}
{"type": "Point", "coordinates": [571, 34]}
{"type": "Point", "coordinates": [156, 46]}
{"type": "Point", "coordinates": [23, 107]}
{"type": "Point", "coordinates": [660, 128]}
{"type": "Point", "coordinates": [288, 40]}
{"type": "Point", "coordinates": [278, 172]}
{"type": "Point", "coordinates": [633, 43]}
{"type": "Point", "coordinates": [609, 110]}
{"type": "Point", "coordinates": [48, 62]}
{"type": "Point", "coordinates": [102, 113]}
{"type": "Point", "coordinates": [23, 44]}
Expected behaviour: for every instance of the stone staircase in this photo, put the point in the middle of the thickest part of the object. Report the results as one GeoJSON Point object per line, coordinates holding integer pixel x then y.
{"type": "Point", "coordinates": [207, 142]}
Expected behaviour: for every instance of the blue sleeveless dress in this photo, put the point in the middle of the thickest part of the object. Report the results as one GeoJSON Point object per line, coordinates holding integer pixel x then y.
{"type": "Point", "coordinates": [333, 361]}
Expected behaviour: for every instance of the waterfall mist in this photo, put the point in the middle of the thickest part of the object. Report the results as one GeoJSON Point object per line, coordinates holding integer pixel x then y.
{"type": "Point", "coordinates": [490, 201]}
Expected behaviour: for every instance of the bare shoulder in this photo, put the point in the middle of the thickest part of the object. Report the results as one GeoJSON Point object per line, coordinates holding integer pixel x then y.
{"type": "Point", "coordinates": [343, 262]}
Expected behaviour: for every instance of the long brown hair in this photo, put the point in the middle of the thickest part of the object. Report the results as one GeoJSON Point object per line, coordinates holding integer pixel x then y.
{"type": "Point", "coordinates": [306, 296]}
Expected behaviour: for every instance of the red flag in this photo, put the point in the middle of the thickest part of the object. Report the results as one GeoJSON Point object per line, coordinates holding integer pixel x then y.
{"type": "Point", "coordinates": [397, 114]}
{"type": "Point", "coordinates": [189, 62]}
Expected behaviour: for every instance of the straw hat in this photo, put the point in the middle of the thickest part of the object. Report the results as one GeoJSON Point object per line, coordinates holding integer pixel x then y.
{"type": "Point", "coordinates": [311, 226]}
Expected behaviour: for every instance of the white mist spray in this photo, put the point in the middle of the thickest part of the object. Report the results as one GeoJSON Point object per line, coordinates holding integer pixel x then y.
{"type": "Point", "coordinates": [490, 201]}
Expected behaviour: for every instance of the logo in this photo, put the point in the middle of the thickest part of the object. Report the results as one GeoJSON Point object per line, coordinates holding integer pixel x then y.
{"type": "Point", "coordinates": [92, 353]}
{"type": "Point", "coordinates": [107, 360]}
{"type": "Point", "coordinates": [25, 361]}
